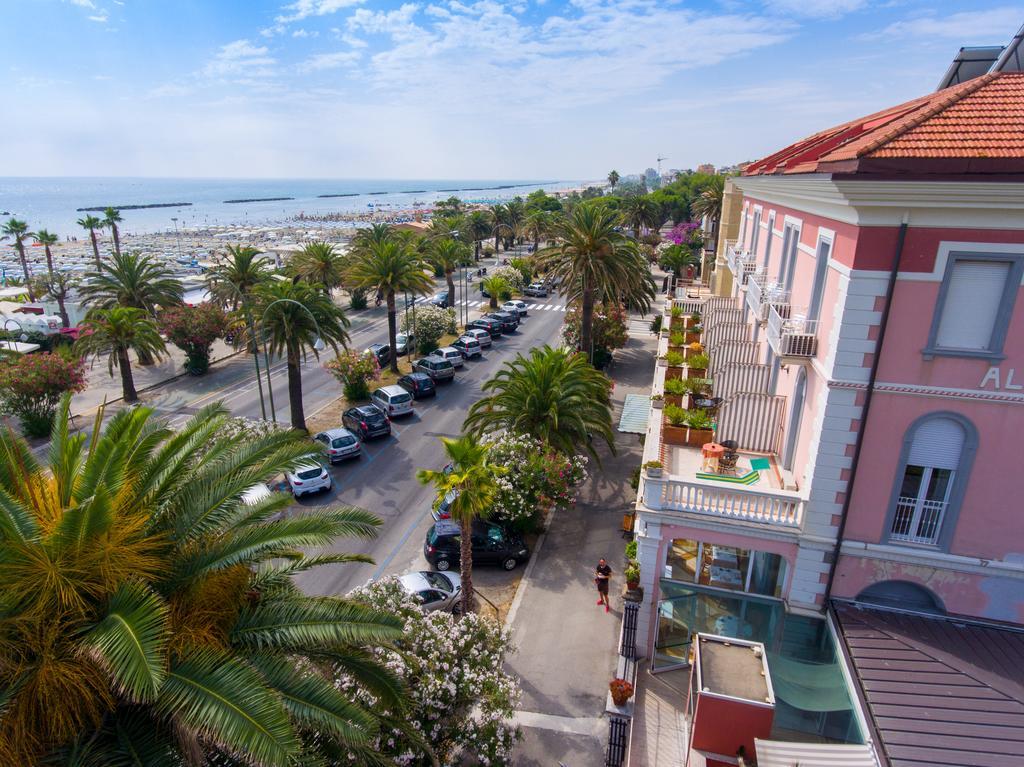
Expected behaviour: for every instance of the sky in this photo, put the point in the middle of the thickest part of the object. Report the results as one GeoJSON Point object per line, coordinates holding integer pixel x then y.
{"type": "Point", "coordinates": [448, 89]}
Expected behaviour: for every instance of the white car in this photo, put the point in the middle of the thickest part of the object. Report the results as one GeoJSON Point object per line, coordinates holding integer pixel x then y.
{"type": "Point", "coordinates": [536, 289]}
{"type": "Point", "coordinates": [255, 494]}
{"type": "Point", "coordinates": [434, 591]}
{"type": "Point", "coordinates": [451, 354]}
{"type": "Point", "coordinates": [519, 307]}
{"type": "Point", "coordinates": [482, 337]}
{"type": "Point", "coordinates": [308, 478]}
{"type": "Point", "coordinates": [339, 444]}
{"type": "Point", "coordinates": [393, 400]}
{"type": "Point", "coordinates": [403, 341]}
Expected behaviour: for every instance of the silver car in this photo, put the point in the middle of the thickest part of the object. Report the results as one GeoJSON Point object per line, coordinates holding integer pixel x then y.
{"type": "Point", "coordinates": [434, 591]}
{"type": "Point", "coordinates": [339, 444]}
{"type": "Point", "coordinates": [538, 289]}
{"type": "Point", "coordinates": [519, 307]}
{"type": "Point", "coordinates": [482, 337]}
{"type": "Point", "coordinates": [451, 354]}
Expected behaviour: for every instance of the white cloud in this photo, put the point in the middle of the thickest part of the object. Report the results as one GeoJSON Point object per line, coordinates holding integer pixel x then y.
{"type": "Point", "coordinates": [820, 9]}
{"type": "Point", "coordinates": [241, 58]}
{"type": "Point", "coordinates": [994, 26]}
{"type": "Point", "coordinates": [306, 8]}
{"type": "Point", "coordinates": [323, 61]}
{"type": "Point", "coordinates": [100, 18]}
{"type": "Point", "coordinates": [83, 3]}
{"type": "Point", "coordinates": [304, 33]}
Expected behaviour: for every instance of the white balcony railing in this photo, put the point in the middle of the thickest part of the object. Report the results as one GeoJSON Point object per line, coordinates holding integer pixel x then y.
{"type": "Point", "coordinates": [761, 294]}
{"type": "Point", "coordinates": [790, 333]}
{"type": "Point", "coordinates": [772, 507]}
{"type": "Point", "coordinates": [917, 521]}
{"type": "Point", "coordinates": [741, 263]}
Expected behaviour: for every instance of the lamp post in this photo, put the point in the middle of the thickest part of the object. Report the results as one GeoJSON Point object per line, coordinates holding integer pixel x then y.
{"type": "Point", "coordinates": [318, 345]}
{"type": "Point", "coordinates": [176, 235]}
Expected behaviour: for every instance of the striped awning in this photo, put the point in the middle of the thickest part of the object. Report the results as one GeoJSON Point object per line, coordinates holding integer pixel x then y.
{"type": "Point", "coordinates": [635, 410]}
{"type": "Point", "coordinates": [775, 753]}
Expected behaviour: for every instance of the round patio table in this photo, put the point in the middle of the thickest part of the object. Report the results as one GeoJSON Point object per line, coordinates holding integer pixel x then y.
{"type": "Point", "coordinates": [711, 452]}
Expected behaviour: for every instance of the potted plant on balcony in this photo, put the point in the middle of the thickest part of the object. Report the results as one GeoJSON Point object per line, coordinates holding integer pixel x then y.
{"type": "Point", "coordinates": [632, 575]}
{"type": "Point", "coordinates": [694, 320]}
{"type": "Point", "coordinates": [693, 333]}
{"type": "Point", "coordinates": [677, 341]}
{"type": "Point", "coordinates": [694, 348]}
{"type": "Point", "coordinates": [697, 366]}
{"type": "Point", "coordinates": [674, 359]}
{"type": "Point", "coordinates": [657, 401]}
{"type": "Point", "coordinates": [694, 387]}
{"type": "Point", "coordinates": [673, 429]}
{"type": "Point", "coordinates": [701, 428]}
{"type": "Point", "coordinates": [621, 691]}
{"type": "Point", "coordinates": [675, 390]}
{"type": "Point", "coordinates": [653, 469]}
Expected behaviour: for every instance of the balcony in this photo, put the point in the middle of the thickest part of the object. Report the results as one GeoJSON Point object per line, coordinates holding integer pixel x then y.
{"type": "Point", "coordinates": [761, 294]}
{"type": "Point", "coordinates": [741, 263]}
{"type": "Point", "coordinates": [791, 335]}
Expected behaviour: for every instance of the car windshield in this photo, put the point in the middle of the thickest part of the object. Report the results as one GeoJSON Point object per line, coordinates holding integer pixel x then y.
{"type": "Point", "coordinates": [495, 535]}
{"type": "Point", "coordinates": [370, 415]}
{"type": "Point", "coordinates": [443, 364]}
{"type": "Point", "coordinates": [400, 398]}
{"type": "Point", "coordinates": [343, 441]}
{"type": "Point", "coordinates": [308, 473]}
{"type": "Point", "coordinates": [438, 581]}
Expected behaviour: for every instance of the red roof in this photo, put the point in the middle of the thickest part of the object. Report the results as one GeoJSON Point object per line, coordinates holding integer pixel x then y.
{"type": "Point", "coordinates": [973, 127]}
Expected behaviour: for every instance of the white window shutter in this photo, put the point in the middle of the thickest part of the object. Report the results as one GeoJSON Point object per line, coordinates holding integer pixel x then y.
{"type": "Point", "coordinates": [972, 304]}
{"type": "Point", "coordinates": [938, 443]}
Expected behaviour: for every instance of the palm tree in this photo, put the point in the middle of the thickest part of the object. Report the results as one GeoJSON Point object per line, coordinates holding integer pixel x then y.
{"type": "Point", "coordinates": [295, 315]}
{"type": "Point", "coordinates": [92, 223]}
{"type": "Point", "coordinates": [709, 204]}
{"type": "Point", "coordinates": [236, 275]}
{"type": "Point", "coordinates": [537, 225]}
{"type": "Point", "coordinates": [58, 286]}
{"type": "Point", "coordinates": [640, 212]}
{"type": "Point", "coordinates": [151, 615]}
{"type": "Point", "coordinates": [19, 231]}
{"type": "Point", "coordinates": [116, 332]}
{"type": "Point", "coordinates": [320, 264]}
{"type": "Point", "coordinates": [47, 240]}
{"type": "Point", "coordinates": [472, 481]}
{"type": "Point", "coordinates": [390, 265]}
{"type": "Point", "coordinates": [499, 222]}
{"type": "Point", "coordinates": [478, 227]}
{"type": "Point", "coordinates": [515, 214]}
{"type": "Point", "coordinates": [111, 218]}
{"type": "Point", "coordinates": [553, 395]}
{"type": "Point", "coordinates": [495, 287]}
{"type": "Point", "coordinates": [613, 179]}
{"type": "Point", "coordinates": [593, 260]}
{"type": "Point", "coordinates": [448, 254]}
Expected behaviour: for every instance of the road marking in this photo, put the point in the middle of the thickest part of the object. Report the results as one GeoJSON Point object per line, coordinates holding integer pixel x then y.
{"type": "Point", "coordinates": [561, 308]}
{"type": "Point", "coordinates": [593, 726]}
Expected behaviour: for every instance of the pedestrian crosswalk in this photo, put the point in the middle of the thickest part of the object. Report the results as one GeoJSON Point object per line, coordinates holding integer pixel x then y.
{"type": "Point", "coordinates": [481, 304]}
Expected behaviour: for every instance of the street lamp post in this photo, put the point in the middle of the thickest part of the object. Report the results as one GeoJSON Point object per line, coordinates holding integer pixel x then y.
{"type": "Point", "coordinates": [176, 235]}
{"type": "Point", "coordinates": [318, 345]}
{"type": "Point", "coordinates": [23, 337]}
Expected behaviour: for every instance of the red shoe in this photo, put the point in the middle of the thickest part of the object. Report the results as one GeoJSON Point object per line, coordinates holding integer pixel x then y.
{"type": "Point", "coordinates": [607, 609]}
{"type": "Point", "coordinates": [600, 601]}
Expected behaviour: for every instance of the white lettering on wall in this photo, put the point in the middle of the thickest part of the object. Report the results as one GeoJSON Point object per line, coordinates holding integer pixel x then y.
{"type": "Point", "coordinates": [993, 376]}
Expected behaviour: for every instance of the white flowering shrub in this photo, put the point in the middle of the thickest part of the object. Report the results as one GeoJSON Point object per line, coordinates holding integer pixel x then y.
{"type": "Point", "coordinates": [536, 478]}
{"type": "Point", "coordinates": [511, 275]}
{"type": "Point", "coordinates": [431, 322]}
{"type": "Point", "coordinates": [463, 699]}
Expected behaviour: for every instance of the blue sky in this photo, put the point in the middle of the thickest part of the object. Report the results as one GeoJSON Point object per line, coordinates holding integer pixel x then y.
{"type": "Point", "coordinates": [436, 89]}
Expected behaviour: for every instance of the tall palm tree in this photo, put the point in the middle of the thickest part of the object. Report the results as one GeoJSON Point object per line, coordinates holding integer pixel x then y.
{"type": "Point", "coordinates": [537, 225]}
{"type": "Point", "coordinates": [150, 615]}
{"type": "Point", "coordinates": [448, 254]}
{"type": "Point", "coordinates": [320, 264]}
{"type": "Point", "coordinates": [709, 204]}
{"type": "Point", "coordinates": [19, 231]}
{"type": "Point", "coordinates": [478, 227]}
{"type": "Point", "coordinates": [613, 179]}
{"type": "Point", "coordinates": [390, 265]}
{"type": "Point", "coordinates": [553, 395]}
{"type": "Point", "coordinates": [115, 332]}
{"type": "Point", "coordinates": [111, 218]}
{"type": "Point", "coordinates": [640, 212]}
{"type": "Point", "coordinates": [593, 260]}
{"type": "Point", "coordinates": [515, 213]}
{"type": "Point", "coordinates": [236, 274]}
{"type": "Point", "coordinates": [47, 240]}
{"type": "Point", "coordinates": [498, 215]}
{"type": "Point", "coordinates": [91, 223]}
{"type": "Point", "coordinates": [473, 482]}
{"type": "Point", "coordinates": [59, 286]}
{"type": "Point", "coordinates": [295, 316]}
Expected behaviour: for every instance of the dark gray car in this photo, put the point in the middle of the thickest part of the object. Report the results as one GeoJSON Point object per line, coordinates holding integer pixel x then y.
{"type": "Point", "coordinates": [437, 368]}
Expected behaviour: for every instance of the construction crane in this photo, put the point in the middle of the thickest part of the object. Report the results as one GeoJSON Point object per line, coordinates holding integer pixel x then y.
{"type": "Point", "coordinates": [659, 165]}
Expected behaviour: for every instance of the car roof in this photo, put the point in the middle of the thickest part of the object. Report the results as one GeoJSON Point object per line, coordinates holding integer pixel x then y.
{"type": "Point", "coordinates": [392, 389]}
{"type": "Point", "coordinates": [418, 376]}
{"type": "Point", "coordinates": [367, 409]}
{"type": "Point", "coordinates": [375, 346]}
{"type": "Point", "coordinates": [335, 433]}
{"type": "Point", "coordinates": [305, 467]}
{"type": "Point", "coordinates": [447, 349]}
{"type": "Point", "coordinates": [414, 582]}
{"type": "Point", "coordinates": [465, 337]}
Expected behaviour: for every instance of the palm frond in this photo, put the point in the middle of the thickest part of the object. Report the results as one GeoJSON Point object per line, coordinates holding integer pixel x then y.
{"type": "Point", "coordinates": [313, 622]}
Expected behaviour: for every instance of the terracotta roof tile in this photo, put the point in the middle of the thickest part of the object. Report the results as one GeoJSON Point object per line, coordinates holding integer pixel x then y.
{"type": "Point", "coordinates": [980, 119]}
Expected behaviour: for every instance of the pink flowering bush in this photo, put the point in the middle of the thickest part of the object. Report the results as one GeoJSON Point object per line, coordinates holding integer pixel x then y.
{"type": "Point", "coordinates": [31, 386]}
{"type": "Point", "coordinates": [463, 699]}
{"type": "Point", "coordinates": [193, 329]}
{"type": "Point", "coordinates": [354, 371]}
{"type": "Point", "coordinates": [683, 233]}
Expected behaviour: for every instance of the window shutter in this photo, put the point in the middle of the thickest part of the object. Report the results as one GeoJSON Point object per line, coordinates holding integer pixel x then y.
{"type": "Point", "coordinates": [937, 443]}
{"type": "Point", "coordinates": [972, 303]}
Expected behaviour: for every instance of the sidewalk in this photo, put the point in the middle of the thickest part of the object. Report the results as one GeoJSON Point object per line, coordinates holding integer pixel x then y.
{"type": "Point", "coordinates": [565, 644]}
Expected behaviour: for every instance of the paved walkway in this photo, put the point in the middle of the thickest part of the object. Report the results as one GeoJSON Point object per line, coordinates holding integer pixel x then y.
{"type": "Point", "coordinates": [566, 644]}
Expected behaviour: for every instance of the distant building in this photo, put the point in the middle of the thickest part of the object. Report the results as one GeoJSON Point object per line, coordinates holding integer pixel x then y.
{"type": "Point", "coordinates": [707, 168]}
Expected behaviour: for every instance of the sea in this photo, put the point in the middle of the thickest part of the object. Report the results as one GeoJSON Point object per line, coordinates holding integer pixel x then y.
{"type": "Point", "coordinates": [56, 203]}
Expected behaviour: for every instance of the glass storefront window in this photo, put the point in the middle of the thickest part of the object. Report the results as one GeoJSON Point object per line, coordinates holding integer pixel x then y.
{"type": "Point", "coordinates": [681, 560]}
{"type": "Point", "coordinates": [767, 574]}
{"type": "Point", "coordinates": [725, 567]}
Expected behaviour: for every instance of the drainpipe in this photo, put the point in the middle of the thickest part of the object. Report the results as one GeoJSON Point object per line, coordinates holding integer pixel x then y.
{"type": "Point", "coordinates": [883, 324]}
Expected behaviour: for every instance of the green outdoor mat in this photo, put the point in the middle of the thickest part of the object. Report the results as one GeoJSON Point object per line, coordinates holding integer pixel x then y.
{"type": "Point", "coordinates": [747, 479]}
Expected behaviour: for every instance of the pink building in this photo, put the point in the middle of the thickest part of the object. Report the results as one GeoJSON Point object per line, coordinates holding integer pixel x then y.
{"type": "Point", "coordinates": [866, 358]}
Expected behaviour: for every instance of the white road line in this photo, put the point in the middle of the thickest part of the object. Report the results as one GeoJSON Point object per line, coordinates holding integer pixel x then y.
{"type": "Point", "coordinates": [561, 308]}
{"type": "Point", "coordinates": [533, 306]}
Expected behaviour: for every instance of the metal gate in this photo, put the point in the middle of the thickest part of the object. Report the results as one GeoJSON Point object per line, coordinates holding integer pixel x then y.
{"type": "Point", "coordinates": [627, 642]}
{"type": "Point", "coordinates": [618, 739]}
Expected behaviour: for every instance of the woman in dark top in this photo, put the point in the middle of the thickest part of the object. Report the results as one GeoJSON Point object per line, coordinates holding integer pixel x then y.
{"type": "Point", "coordinates": [602, 574]}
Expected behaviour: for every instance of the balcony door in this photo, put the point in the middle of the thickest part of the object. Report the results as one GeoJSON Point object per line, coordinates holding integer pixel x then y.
{"type": "Point", "coordinates": [796, 409]}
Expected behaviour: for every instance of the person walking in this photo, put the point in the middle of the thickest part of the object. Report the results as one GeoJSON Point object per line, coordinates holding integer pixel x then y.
{"type": "Point", "coordinates": [602, 574]}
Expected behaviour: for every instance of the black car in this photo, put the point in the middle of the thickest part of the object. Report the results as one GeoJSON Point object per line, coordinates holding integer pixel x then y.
{"type": "Point", "coordinates": [492, 326]}
{"type": "Point", "coordinates": [440, 300]}
{"type": "Point", "coordinates": [419, 385]}
{"type": "Point", "coordinates": [366, 421]}
{"type": "Point", "coordinates": [381, 352]}
{"type": "Point", "coordinates": [508, 322]}
{"type": "Point", "coordinates": [492, 545]}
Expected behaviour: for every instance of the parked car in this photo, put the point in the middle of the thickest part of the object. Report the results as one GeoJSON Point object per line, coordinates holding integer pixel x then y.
{"type": "Point", "coordinates": [451, 354]}
{"type": "Point", "coordinates": [308, 478]}
{"type": "Point", "coordinates": [491, 326]}
{"type": "Point", "coordinates": [443, 510]}
{"type": "Point", "coordinates": [507, 321]}
{"type": "Point", "coordinates": [492, 545]}
{"type": "Point", "coordinates": [403, 342]}
{"type": "Point", "coordinates": [339, 444]}
{"type": "Point", "coordinates": [482, 336]}
{"type": "Point", "coordinates": [434, 591]}
{"type": "Point", "coordinates": [440, 300]}
{"type": "Point", "coordinates": [393, 400]}
{"type": "Point", "coordinates": [517, 306]}
{"type": "Point", "coordinates": [538, 289]}
{"type": "Point", "coordinates": [468, 346]}
{"type": "Point", "coordinates": [382, 353]}
{"type": "Point", "coordinates": [419, 385]}
{"type": "Point", "coordinates": [366, 421]}
{"type": "Point", "coordinates": [435, 367]}
{"type": "Point", "coordinates": [255, 494]}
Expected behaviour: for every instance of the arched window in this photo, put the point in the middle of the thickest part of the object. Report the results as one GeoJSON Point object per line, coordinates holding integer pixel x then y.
{"type": "Point", "coordinates": [902, 594]}
{"type": "Point", "coordinates": [937, 454]}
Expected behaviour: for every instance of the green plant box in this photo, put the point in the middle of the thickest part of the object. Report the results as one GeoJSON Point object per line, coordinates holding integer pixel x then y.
{"type": "Point", "coordinates": [698, 437]}
{"type": "Point", "coordinates": [674, 399]}
{"type": "Point", "coordinates": [696, 373]}
{"type": "Point", "coordinates": [673, 435]}
{"type": "Point", "coordinates": [692, 337]}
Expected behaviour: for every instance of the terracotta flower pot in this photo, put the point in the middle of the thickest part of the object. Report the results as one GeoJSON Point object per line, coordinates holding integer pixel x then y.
{"type": "Point", "coordinates": [674, 399]}
{"type": "Point", "coordinates": [673, 435]}
{"type": "Point", "coordinates": [696, 373]}
{"type": "Point", "coordinates": [698, 437]}
{"type": "Point", "coordinates": [692, 338]}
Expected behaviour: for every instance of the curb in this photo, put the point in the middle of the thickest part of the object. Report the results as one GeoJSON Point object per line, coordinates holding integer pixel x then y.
{"type": "Point", "coordinates": [521, 588]}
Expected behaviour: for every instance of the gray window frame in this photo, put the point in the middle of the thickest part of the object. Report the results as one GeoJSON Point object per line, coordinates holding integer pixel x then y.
{"type": "Point", "coordinates": [768, 243]}
{"type": "Point", "coordinates": [956, 493]}
{"type": "Point", "coordinates": [1003, 315]}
